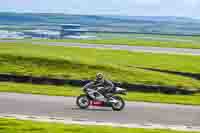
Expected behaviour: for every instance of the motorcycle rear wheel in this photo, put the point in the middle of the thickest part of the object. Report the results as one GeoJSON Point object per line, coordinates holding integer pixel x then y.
{"type": "Point", "coordinates": [83, 101]}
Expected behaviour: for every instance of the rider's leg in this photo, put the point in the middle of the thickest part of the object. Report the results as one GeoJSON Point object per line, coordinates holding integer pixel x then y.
{"type": "Point", "coordinates": [107, 93]}
{"type": "Point", "coordinates": [103, 92]}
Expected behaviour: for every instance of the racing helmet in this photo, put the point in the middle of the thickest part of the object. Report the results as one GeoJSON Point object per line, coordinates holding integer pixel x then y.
{"type": "Point", "coordinates": [99, 76]}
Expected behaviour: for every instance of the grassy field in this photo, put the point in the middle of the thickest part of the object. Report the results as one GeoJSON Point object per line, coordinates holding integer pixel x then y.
{"type": "Point", "coordinates": [74, 91]}
{"type": "Point", "coordinates": [77, 63]}
{"type": "Point", "coordinates": [21, 126]}
{"type": "Point", "coordinates": [134, 42]}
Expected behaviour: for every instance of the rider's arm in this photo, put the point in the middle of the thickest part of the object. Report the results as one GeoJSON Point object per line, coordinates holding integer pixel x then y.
{"type": "Point", "coordinates": [110, 85]}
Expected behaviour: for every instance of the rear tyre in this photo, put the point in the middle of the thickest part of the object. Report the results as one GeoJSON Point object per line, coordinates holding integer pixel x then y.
{"type": "Point", "coordinates": [83, 101]}
{"type": "Point", "coordinates": [119, 105]}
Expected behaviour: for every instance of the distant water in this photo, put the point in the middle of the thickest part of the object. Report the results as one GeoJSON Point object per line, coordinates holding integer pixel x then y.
{"type": "Point", "coordinates": [11, 34]}
{"type": "Point", "coordinates": [26, 25]}
{"type": "Point", "coordinates": [21, 32]}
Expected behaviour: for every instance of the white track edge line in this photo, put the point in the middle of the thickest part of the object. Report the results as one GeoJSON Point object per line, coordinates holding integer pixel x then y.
{"type": "Point", "coordinates": [71, 121]}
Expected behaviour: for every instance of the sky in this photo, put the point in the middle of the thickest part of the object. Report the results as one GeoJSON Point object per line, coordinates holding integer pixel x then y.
{"type": "Point", "coordinates": [186, 8]}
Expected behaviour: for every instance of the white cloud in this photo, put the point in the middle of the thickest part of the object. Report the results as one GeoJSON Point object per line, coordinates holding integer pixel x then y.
{"type": "Point", "coordinates": [122, 7]}
{"type": "Point", "coordinates": [147, 2]}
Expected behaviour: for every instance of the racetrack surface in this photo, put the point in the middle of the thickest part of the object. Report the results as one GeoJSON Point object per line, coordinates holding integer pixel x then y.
{"type": "Point", "coordinates": [118, 47]}
{"type": "Point", "coordinates": [134, 112]}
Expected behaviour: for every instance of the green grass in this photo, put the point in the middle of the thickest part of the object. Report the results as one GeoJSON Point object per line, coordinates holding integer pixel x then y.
{"type": "Point", "coordinates": [40, 89]}
{"type": "Point", "coordinates": [21, 126]}
{"type": "Point", "coordinates": [132, 42]}
{"type": "Point", "coordinates": [75, 91]}
{"type": "Point", "coordinates": [77, 63]}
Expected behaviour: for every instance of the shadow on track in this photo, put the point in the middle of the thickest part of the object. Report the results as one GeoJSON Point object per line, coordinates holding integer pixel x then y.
{"type": "Point", "coordinates": [93, 109]}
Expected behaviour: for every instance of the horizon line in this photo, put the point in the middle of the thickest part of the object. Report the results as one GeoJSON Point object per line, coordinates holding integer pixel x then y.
{"type": "Point", "coordinates": [76, 14]}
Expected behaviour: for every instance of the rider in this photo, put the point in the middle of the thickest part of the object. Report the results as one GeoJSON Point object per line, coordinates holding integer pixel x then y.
{"type": "Point", "coordinates": [106, 86]}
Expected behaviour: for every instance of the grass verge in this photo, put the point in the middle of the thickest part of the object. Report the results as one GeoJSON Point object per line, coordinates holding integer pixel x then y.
{"type": "Point", "coordinates": [22, 126]}
{"type": "Point", "coordinates": [75, 91]}
{"type": "Point", "coordinates": [26, 126]}
{"type": "Point", "coordinates": [77, 63]}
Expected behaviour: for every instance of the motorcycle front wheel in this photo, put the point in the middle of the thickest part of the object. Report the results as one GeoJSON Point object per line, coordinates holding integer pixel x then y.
{"type": "Point", "coordinates": [119, 105]}
{"type": "Point", "coordinates": [83, 101]}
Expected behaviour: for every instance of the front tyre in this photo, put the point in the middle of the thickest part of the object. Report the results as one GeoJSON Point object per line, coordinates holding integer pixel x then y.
{"type": "Point", "coordinates": [119, 105]}
{"type": "Point", "coordinates": [83, 101]}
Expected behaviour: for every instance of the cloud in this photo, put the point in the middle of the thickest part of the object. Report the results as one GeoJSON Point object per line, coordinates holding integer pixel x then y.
{"type": "Point", "coordinates": [147, 2]}
{"type": "Point", "coordinates": [121, 7]}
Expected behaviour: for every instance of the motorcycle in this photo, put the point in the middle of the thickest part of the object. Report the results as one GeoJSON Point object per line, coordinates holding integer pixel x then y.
{"type": "Point", "coordinates": [93, 97]}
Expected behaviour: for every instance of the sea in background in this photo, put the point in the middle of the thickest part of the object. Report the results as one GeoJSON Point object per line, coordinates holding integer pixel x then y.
{"type": "Point", "coordinates": [44, 25]}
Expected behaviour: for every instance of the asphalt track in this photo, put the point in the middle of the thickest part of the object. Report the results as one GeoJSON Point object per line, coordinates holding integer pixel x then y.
{"type": "Point", "coordinates": [64, 107]}
{"type": "Point", "coordinates": [119, 47]}
{"type": "Point", "coordinates": [127, 48]}
{"type": "Point", "coordinates": [135, 112]}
